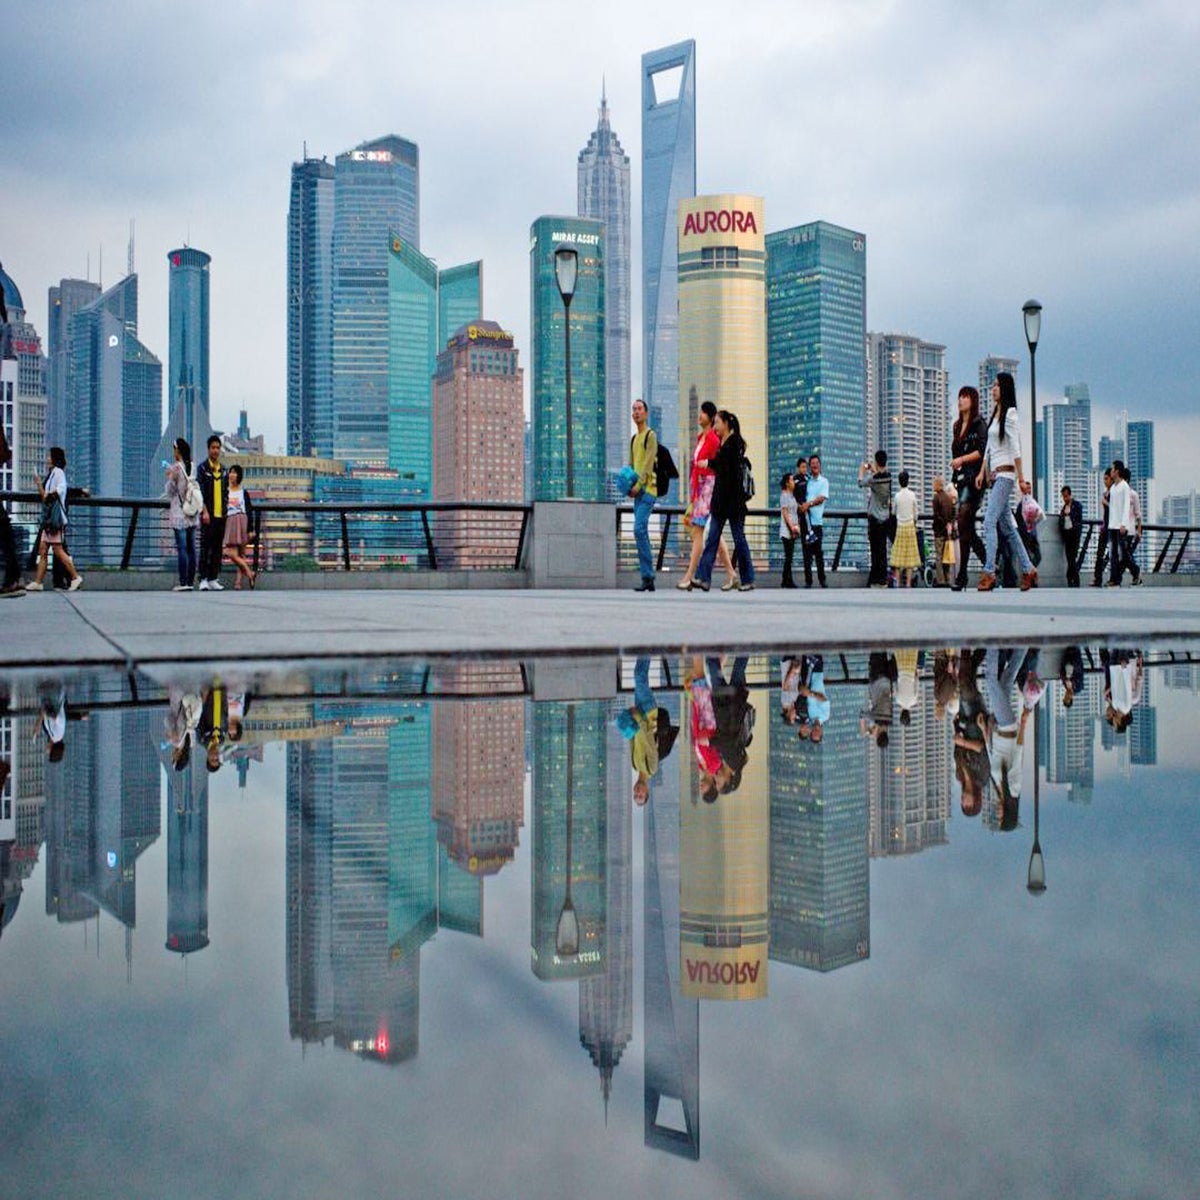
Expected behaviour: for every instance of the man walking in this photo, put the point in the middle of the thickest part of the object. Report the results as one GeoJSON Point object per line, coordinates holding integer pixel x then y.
{"type": "Point", "coordinates": [1133, 535]}
{"type": "Point", "coordinates": [1102, 550]}
{"type": "Point", "coordinates": [643, 457]}
{"type": "Point", "coordinates": [814, 511]}
{"type": "Point", "coordinates": [1070, 526]}
{"type": "Point", "coordinates": [214, 488]}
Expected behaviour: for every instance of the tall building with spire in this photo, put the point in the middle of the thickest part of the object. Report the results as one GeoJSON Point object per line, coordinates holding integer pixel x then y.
{"type": "Point", "coordinates": [603, 180]}
{"type": "Point", "coordinates": [668, 176]}
{"type": "Point", "coordinates": [65, 300]}
{"type": "Point", "coordinates": [187, 362]}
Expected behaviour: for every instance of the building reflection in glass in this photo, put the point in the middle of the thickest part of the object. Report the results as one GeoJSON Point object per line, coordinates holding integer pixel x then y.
{"type": "Point", "coordinates": [187, 850]}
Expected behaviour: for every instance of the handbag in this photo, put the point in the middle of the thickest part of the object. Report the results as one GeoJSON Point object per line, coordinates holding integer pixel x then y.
{"type": "Point", "coordinates": [54, 519]}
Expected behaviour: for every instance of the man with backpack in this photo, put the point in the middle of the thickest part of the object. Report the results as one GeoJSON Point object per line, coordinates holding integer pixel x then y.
{"type": "Point", "coordinates": [643, 458]}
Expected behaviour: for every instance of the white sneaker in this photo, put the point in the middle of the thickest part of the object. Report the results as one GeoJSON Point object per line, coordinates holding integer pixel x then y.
{"type": "Point", "coordinates": [215, 585]}
{"type": "Point", "coordinates": [75, 584]}
{"type": "Point", "coordinates": [203, 585]}
{"type": "Point", "coordinates": [34, 587]}
{"type": "Point", "coordinates": [181, 587]}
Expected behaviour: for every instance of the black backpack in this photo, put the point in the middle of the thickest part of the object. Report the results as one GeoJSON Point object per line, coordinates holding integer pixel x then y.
{"type": "Point", "coordinates": [664, 468]}
{"type": "Point", "coordinates": [747, 470]}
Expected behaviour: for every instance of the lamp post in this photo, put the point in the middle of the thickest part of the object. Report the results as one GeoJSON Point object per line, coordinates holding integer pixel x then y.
{"type": "Point", "coordinates": [566, 935]}
{"type": "Point", "coordinates": [1033, 328]}
{"type": "Point", "coordinates": [566, 270]}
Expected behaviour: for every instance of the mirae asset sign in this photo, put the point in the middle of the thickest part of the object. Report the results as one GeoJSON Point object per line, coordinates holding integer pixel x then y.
{"type": "Point", "coordinates": [720, 220]}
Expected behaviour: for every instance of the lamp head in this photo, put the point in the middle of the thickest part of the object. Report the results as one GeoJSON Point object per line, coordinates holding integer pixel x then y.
{"type": "Point", "coordinates": [566, 269]}
{"type": "Point", "coordinates": [1033, 322]}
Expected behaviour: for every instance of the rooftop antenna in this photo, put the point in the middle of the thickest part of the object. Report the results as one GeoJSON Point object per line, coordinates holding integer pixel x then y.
{"type": "Point", "coordinates": [129, 270]}
{"type": "Point", "coordinates": [101, 276]}
{"type": "Point", "coordinates": [89, 267]}
{"type": "Point", "coordinates": [305, 145]}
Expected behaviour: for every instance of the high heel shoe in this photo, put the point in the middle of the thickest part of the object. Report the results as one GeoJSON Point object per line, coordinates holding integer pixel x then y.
{"type": "Point", "coordinates": [684, 585]}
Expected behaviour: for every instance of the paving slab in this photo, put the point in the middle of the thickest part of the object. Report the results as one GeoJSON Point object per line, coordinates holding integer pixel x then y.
{"type": "Point", "coordinates": [137, 628]}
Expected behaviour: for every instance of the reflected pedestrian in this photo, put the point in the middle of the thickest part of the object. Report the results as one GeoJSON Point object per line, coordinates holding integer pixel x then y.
{"type": "Point", "coordinates": [875, 720]}
{"type": "Point", "coordinates": [818, 708]}
{"type": "Point", "coordinates": [1004, 465]}
{"type": "Point", "coordinates": [1006, 731]}
{"type": "Point", "coordinates": [52, 537]}
{"type": "Point", "coordinates": [639, 726]}
{"type": "Point", "coordinates": [704, 732]}
{"type": "Point", "coordinates": [182, 523]}
{"type": "Point", "coordinates": [728, 505]}
{"type": "Point", "coordinates": [703, 481]}
{"type": "Point", "coordinates": [971, 766]}
{"type": "Point", "coordinates": [1070, 675]}
{"type": "Point", "coordinates": [213, 726]}
{"type": "Point", "coordinates": [54, 722]}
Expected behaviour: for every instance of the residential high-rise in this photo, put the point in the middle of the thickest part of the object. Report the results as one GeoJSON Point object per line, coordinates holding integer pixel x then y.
{"type": "Point", "coordinates": [668, 176]}
{"type": "Point", "coordinates": [816, 352]}
{"type": "Point", "coordinates": [603, 180]}
{"type": "Point", "coordinates": [188, 362]}
{"type": "Point", "coordinates": [723, 316]}
{"type": "Point", "coordinates": [989, 368]}
{"type": "Point", "coordinates": [908, 407]}
{"type": "Point", "coordinates": [1139, 458]}
{"type": "Point", "coordinates": [424, 308]}
{"type": "Point", "coordinates": [376, 198]}
{"type": "Point", "coordinates": [478, 437]}
{"type": "Point", "coordinates": [65, 301]}
{"type": "Point", "coordinates": [1065, 448]}
{"type": "Point", "coordinates": [25, 422]}
{"type": "Point", "coordinates": [547, 357]}
{"type": "Point", "coordinates": [310, 309]}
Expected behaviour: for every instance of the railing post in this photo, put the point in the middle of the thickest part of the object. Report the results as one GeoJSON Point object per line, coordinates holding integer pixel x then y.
{"type": "Point", "coordinates": [128, 551]}
{"type": "Point", "coordinates": [1187, 533]}
{"type": "Point", "coordinates": [664, 537]}
{"type": "Point", "coordinates": [257, 538]}
{"type": "Point", "coordinates": [1162, 554]}
{"type": "Point", "coordinates": [428, 539]}
{"type": "Point", "coordinates": [837, 554]}
{"type": "Point", "coordinates": [345, 541]}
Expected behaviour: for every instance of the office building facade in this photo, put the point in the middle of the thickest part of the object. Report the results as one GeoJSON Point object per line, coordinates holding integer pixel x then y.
{"type": "Point", "coordinates": [908, 409]}
{"type": "Point", "coordinates": [816, 351]}
{"type": "Point", "coordinates": [376, 198]}
{"type": "Point", "coordinates": [65, 300]}
{"type": "Point", "coordinates": [722, 316]}
{"type": "Point", "coordinates": [1139, 458]}
{"type": "Point", "coordinates": [310, 309]}
{"type": "Point", "coordinates": [188, 359]}
{"type": "Point", "coordinates": [24, 372]}
{"type": "Point", "coordinates": [1065, 449]}
{"type": "Point", "coordinates": [668, 177]}
{"type": "Point", "coordinates": [547, 354]}
{"type": "Point", "coordinates": [604, 195]}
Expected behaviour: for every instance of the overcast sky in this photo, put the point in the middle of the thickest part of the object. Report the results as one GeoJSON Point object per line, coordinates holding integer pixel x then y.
{"type": "Point", "coordinates": [989, 152]}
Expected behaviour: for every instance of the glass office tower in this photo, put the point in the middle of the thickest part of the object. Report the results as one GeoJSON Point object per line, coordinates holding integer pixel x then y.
{"type": "Point", "coordinates": [548, 361]}
{"type": "Point", "coordinates": [668, 176]}
{"type": "Point", "coordinates": [187, 362]}
{"type": "Point", "coordinates": [310, 309]}
{"type": "Point", "coordinates": [816, 352]}
{"type": "Point", "coordinates": [376, 187]}
{"type": "Point", "coordinates": [603, 177]}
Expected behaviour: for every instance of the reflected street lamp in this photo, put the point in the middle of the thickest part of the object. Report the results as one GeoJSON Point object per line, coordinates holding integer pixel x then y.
{"type": "Point", "coordinates": [1033, 329]}
{"type": "Point", "coordinates": [566, 270]}
{"type": "Point", "coordinates": [566, 935]}
{"type": "Point", "coordinates": [1036, 879]}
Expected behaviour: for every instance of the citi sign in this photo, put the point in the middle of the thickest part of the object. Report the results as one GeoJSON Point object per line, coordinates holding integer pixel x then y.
{"type": "Point", "coordinates": [727, 973]}
{"type": "Point", "coordinates": [722, 220]}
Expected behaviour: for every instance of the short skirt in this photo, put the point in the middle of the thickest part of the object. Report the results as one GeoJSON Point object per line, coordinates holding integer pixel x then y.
{"type": "Point", "coordinates": [52, 539]}
{"type": "Point", "coordinates": [702, 500]}
{"type": "Point", "coordinates": [904, 549]}
{"type": "Point", "coordinates": [236, 532]}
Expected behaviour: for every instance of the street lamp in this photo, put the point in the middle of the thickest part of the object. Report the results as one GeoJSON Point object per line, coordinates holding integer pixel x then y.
{"type": "Point", "coordinates": [566, 935]}
{"type": "Point", "coordinates": [1033, 328]}
{"type": "Point", "coordinates": [566, 270]}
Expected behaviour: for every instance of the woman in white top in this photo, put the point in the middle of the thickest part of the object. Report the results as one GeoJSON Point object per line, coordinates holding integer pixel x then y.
{"type": "Point", "coordinates": [1005, 732]}
{"type": "Point", "coordinates": [1003, 462]}
{"type": "Point", "coordinates": [906, 555]}
{"type": "Point", "coordinates": [54, 520]}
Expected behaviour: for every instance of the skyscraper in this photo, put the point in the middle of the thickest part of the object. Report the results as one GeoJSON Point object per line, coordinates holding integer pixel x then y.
{"type": "Point", "coordinates": [547, 356]}
{"type": "Point", "coordinates": [668, 176]}
{"type": "Point", "coordinates": [989, 368]}
{"type": "Point", "coordinates": [187, 365]}
{"type": "Point", "coordinates": [376, 198]}
{"type": "Point", "coordinates": [478, 401]}
{"type": "Point", "coordinates": [310, 309]}
{"type": "Point", "coordinates": [1065, 448]}
{"type": "Point", "coordinates": [1139, 458]}
{"type": "Point", "coordinates": [603, 179]}
{"type": "Point", "coordinates": [26, 422]}
{"type": "Point", "coordinates": [65, 301]}
{"type": "Point", "coordinates": [187, 855]}
{"type": "Point", "coordinates": [723, 316]}
{"type": "Point", "coordinates": [816, 351]}
{"type": "Point", "coordinates": [424, 307]}
{"type": "Point", "coordinates": [908, 412]}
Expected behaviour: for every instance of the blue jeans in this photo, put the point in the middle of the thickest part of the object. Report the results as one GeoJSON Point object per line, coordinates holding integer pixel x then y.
{"type": "Point", "coordinates": [998, 520]}
{"type": "Point", "coordinates": [185, 553]}
{"type": "Point", "coordinates": [643, 697]}
{"type": "Point", "coordinates": [741, 551]}
{"type": "Point", "coordinates": [643, 506]}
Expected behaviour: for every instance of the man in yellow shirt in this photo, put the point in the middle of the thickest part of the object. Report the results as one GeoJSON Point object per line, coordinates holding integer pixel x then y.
{"type": "Point", "coordinates": [214, 487]}
{"type": "Point", "coordinates": [643, 457]}
{"type": "Point", "coordinates": [639, 726]}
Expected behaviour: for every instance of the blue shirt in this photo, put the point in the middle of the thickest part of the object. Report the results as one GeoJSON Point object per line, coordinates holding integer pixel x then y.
{"type": "Point", "coordinates": [816, 488]}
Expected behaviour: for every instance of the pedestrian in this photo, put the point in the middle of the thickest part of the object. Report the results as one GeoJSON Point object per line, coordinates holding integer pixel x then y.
{"type": "Point", "coordinates": [1134, 536]}
{"type": "Point", "coordinates": [237, 529]}
{"type": "Point", "coordinates": [789, 527]}
{"type": "Point", "coordinates": [214, 488]}
{"type": "Point", "coordinates": [1070, 675]}
{"type": "Point", "coordinates": [1070, 527]}
{"type": "Point", "coordinates": [875, 719]}
{"type": "Point", "coordinates": [1102, 549]}
{"type": "Point", "coordinates": [1120, 523]}
{"type": "Point", "coordinates": [643, 458]}
{"type": "Point", "coordinates": [54, 722]}
{"type": "Point", "coordinates": [1029, 517]}
{"type": "Point", "coordinates": [11, 586]}
{"type": "Point", "coordinates": [968, 448]}
{"type": "Point", "coordinates": [800, 491]}
{"type": "Point", "coordinates": [703, 480]}
{"type": "Point", "coordinates": [639, 726]}
{"type": "Point", "coordinates": [818, 707]}
{"type": "Point", "coordinates": [813, 512]}
{"type": "Point", "coordinates": [943, 520]}
{"type": "Point", "coordinates": [874, 475]}
{"type": "Point", "coordinates": [906, 555]}
{"type": "Point", "coordinates": [709, 767]}
{"type": "Point", "coordinates": [1003, 465]}
{"type": "Point", "coordinates": [181, 522]}
{"type": "Point", "coordinates": [728, 504]}
{"type": "Point", "coordinates": [971, 766]}
{"type": "Point", "coordinates": [213, 724]}
{"type": "Point", "coordinates": [51, 538]}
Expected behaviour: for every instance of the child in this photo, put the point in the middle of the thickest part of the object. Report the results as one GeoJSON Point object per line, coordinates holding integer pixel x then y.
{"type": "Point", "coordinates": [906, 557]}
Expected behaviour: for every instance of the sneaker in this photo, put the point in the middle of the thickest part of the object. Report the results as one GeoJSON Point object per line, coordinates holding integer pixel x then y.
{"type": "Point", "coordinates": [34, 587]}
{"type": "Point", "coordinates": [75, 584]}
{"type": "Point", "coordinates": [215, 585]}
{"type": "Point", "coordinates": [730, 585]}
{"type": "Point", "coordinates": [203, 585]}
{"type": "Point", "coordinates": [745, 587]}
{"type": "Point", "coordinates": [181, 587]}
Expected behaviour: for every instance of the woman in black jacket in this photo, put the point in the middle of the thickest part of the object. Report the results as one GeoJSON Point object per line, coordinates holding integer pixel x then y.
{"type": "Point", "coordinates": [969, 447]}
{"type": "Point", "coordinates": [728, 505]}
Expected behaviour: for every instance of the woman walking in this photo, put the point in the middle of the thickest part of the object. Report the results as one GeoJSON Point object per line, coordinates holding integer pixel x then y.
{"type": "Point", "coordinates": [906, 556]}
{"type": "Point", "coordinates": [703, 481]}
{"type": "Point", "coordinates": [969, 447]}
{"type": "Point", "coordinates": [1003, 461]}
{"type": "Point", "coordinates": [183, 527]}
{"type": "Point", "coordinates": [237, 529]}
{"type": "Point", "coordinates": [53, 491]}
{"type": "Point", "coordinates": [728, 505]}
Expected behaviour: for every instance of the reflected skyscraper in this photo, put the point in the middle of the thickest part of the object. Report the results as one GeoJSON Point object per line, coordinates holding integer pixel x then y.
{"type": "Point", "coordinates": [668, 176]}
{"type": "Point", "coordinates": [187, 856]}
{"type": "Point", "coordinates": [603, 180]}
{"type": "Point", "coordinates": [1068, 740]}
